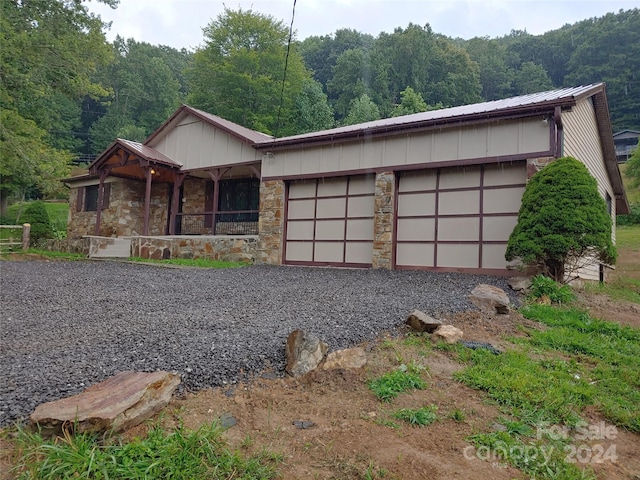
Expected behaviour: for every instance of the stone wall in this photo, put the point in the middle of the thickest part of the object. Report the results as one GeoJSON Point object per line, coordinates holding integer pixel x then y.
{"type": "Point", "coordinates": [534, 165]}
{"type": "Point", "coordinates": [271, 222]}
{"type": "Point", "coordinates": [67, 245]}
{"type": "Point", "coordinates": [125, 215]}
{"type": "Point", "coordinates": [193, 200]}
{"type": "Point", "coordinates": [383, 220]}
{"type": "Point", "coordinates": [229, 249]}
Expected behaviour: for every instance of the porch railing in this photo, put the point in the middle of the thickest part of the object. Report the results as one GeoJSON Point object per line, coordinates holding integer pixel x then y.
{"type": "Point", "coordinates": [240, 222]}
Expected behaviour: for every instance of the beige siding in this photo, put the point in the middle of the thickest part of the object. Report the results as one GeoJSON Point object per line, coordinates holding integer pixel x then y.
{"type": "Point", "coordinates": [582, 142]}
{"type": "Point", "coordinates": [507, 138]}
{"type": "Point", "coordinates": [197, 144]}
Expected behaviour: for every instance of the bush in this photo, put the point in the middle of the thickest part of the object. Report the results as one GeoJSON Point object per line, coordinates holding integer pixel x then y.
{"type": "Point", "coordinates": [563, 221]}
{"type": "Point", "coordinates": [544, 286]}
{"type": "Point", "coordinates": [632, 219]}
{"type": "Point", "coordinates": [36, 215]}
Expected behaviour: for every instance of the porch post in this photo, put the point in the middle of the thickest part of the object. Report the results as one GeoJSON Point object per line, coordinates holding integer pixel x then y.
{"type": "Point", "coordinates": [147, 201]}
{"type": "Point", "coordinates": [103, 176]}
{"type": "Point", "coordinates": [175, 199]}
{"type": "Point", "coordinates": [216, 190]}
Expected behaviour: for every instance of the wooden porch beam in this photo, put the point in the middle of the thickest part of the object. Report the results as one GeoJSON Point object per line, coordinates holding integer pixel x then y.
{"type": "Point", "coordinates": [175, 202]}
{"type": "Point", "coordinates": [255, 171]}
{"type": "Point", "coordinates": [147, 201]}
{"type": "Point", "coordinates": [103, 175]}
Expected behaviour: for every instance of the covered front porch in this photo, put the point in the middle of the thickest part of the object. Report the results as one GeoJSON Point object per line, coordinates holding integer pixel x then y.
{"type": "Point", "coordinates": [213, 201]}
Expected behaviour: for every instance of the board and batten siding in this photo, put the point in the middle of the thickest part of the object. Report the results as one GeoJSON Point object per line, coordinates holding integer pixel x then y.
{"type": "Point", "coordinates": [493, 140]}
{"type": "Point", "coordinates": [196, 144]}
{"type": "Point", "coordinates": [581, 141]}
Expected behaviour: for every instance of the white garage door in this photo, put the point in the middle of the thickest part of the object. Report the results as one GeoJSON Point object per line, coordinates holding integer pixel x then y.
{"type": "Point", "coordinates": [330, 222]}
{"type": "Point", "coordinates": [458, 218]}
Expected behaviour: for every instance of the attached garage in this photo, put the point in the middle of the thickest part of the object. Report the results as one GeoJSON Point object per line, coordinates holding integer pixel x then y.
{"type": "Point", "coordinates": [329, 221]}
{"type": "Point", "coordinates": [457, 217]}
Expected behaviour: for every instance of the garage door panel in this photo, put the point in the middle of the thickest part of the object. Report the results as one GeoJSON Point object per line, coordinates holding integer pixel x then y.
{"type": "Point", "coordinates": [498, 228]}
{"type": "Point", "coordinates": [458, 229]}
{"type": "Point", "coordinates": [456, 203]}
{"type": "Point", "coordinates": [359, 229]}
{"type": "Point", "coordinates": [414, 254]}
{"type": "Point", "coordinates": [459, 178]}
{"type": "Point", "coordinates": [301, 209]}
{"type": "Point", "coordinates": [302, 190]}
{"type": "Point", "coordinates": [300, 230]}
{"type": "Point", "coordinates": [362, 185]}
{"type": "Point", "coordinates": [504, 174]}
{"type": "Point", "coordinates": [416, 182]}
{"type": "Point", "coordinates": [359, 252]}
{"type": "Point", "coordinates": [360, 206]}
{"type": "Point", "coordinates": [493, 256]}
{"type": "Point", "coordinates": [416, 204]}
{"type": "Point", "coordinates": [458, 255]}
{"type": "Point", "coordinates": [331, 207]}
{"type": "Point", "coordinates": [501, 200]}
{"type": "Point", "coordinates": [332, 187]}
{"type": "Point", "coordinates": [329, 252]}
{"type": "Point", "coordinates": [330, 230]}
{"type": "Point", "coordinates": [299, 251]}
{"type": "Point", "coordinates": [423, 229]}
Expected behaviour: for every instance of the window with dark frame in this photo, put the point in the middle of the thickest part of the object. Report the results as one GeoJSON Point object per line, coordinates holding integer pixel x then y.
{"type": "Point", "coordinates": [87, 199]}
{"type": "Point", "coordinates": [91, 198]}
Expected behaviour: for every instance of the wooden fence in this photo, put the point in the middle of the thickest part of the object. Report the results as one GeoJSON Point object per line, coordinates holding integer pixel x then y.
{"type": "Point", "coordinates": [8, 242]}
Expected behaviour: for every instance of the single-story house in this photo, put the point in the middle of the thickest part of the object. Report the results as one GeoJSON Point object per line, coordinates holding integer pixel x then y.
{"type": "Point", "coordinates": [625, 142]}
{"type": "Point", "coordinates": [437, 190]}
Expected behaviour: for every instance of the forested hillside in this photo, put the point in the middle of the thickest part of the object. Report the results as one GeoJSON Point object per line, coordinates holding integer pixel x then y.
{"type": "Point", "coordinates": [66, 92]}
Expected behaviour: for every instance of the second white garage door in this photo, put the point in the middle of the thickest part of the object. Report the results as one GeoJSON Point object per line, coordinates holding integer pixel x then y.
{"type": "Point", "coordinates": [330, 221]}
{"type": "Point", "coordinates": [458, 218]}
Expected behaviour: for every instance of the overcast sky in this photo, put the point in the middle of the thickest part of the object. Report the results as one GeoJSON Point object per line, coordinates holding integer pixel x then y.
{"type": "Point", "coordinates": [179, 23]}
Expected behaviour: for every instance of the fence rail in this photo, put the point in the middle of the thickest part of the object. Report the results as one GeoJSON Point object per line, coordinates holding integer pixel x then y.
{"type": "Point", "coordinates": [8, 242]}
{"type": "Point", "coordinates": [240, 222]}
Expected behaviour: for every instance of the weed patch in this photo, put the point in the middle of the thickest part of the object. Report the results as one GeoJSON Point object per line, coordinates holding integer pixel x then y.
{"type": "Point", "coordinates": [391, 384]}
{"type": "Point", "coordinates": [178, 454]}
{"type": "Point", "coordinates": [418, 417]}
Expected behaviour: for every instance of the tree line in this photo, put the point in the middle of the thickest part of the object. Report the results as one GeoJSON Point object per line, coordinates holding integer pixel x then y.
{"type": "Point", "coordinates": [67, 93]}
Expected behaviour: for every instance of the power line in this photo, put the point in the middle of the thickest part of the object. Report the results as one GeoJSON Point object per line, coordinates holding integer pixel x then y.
{"type": "Point", "coordinates": [286, 64]}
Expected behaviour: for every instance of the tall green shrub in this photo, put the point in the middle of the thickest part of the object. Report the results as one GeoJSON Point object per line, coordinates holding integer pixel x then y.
{"type": "Point", "coordinates": [36, 215]}
{"type": "Point", "coordinates": [563, 221]}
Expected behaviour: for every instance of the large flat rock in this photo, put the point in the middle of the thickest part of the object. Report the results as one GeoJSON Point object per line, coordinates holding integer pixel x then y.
{"type": "Point", "coordinates": [120, 402]}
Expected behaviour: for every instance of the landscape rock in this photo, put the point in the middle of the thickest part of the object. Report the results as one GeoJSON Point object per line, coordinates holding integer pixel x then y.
{"type": "Point", "coordinates": [422, 322]}
{"type": "Point", "coordinates": [490, 299]}
{"type": "Point", "coordinates": [119, 403]}
{"type": "Point", "coordinates": [447, 333]}
{"type": "Point", "coordinates": [304, 352]}
{"type": "Point", "coordinates": [519, 283]}
{"type": "Point", "coordinates": [345, 359]}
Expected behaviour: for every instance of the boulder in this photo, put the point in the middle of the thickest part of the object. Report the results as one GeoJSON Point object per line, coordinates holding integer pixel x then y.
{"type": "Point", "coordinates": [422, 322]}
{"type": "Point", "coordinates": [519, 283]}
{"type": "Point", "coordinates": [304, 352]}
{"type": "Point", "coordinates": [490, 299]}
{"type": "Point", "coordinates": [447, 333]}
{"type": "Point", "coordinates": [345, 359]}
{"type": "Point", "coordinates": [119, 403]}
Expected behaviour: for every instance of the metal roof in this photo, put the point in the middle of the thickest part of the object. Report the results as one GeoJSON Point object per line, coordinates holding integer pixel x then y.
{"type": "Point", "coordinates": [148, 153]}
{"type": "Point", "coordinates": [243, 134]}
{"type": "Point", "coordinates": [550, 99]}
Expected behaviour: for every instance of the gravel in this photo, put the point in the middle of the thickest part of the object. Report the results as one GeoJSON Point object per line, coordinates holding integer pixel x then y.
{"type": "Point", "coordinates": [68, 325]}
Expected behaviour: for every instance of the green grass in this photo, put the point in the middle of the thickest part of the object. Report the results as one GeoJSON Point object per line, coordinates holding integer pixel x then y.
{"type": "Point", "coordinates": [390, 385]}
{"type": "Point", "coordinates": [418, 417]}
{"type": "Point", "coordinates": [195, 262]}
{"type": "Point", "coordinates": [628, 236]}
{"type": "Point", "coordinates": [576, 361]}
{"type": "Point", "coordinates": [621, 288]}
{"type": "Point", "coordinates": [56, 255]}
{"type": "Point", "coordinates": [57, 211]}
{"type": "Point", "coordinates": [176, 454]}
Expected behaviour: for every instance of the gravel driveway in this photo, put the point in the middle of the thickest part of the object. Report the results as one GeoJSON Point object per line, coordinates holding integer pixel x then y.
{"type": "Point", "coordinates": [67, 325]}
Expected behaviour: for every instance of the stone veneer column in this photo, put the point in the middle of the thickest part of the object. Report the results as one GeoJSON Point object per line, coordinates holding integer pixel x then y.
{"type": "Point", "coordinates": [271, 222]}
{"type": "Point", "coordinates": [383, 220]}
{"type": "Point", "coordinates": [534, 165]}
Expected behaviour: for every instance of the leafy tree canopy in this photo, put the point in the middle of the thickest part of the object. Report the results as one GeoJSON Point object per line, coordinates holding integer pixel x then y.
{"type": "Point", "coordinates": [563, 222]}
{"type": "Point", "coordinates": [238, 74]}
{"type": "Point", "coordinates": [362, 110]}
{"type": "Point", "coordinates": [633, 167]}
{"type": "Point", "coordinates": [412, 102]}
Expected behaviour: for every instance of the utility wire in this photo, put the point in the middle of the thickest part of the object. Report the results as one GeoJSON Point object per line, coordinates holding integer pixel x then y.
{"type": "Point", "coordinates": [286, 64]}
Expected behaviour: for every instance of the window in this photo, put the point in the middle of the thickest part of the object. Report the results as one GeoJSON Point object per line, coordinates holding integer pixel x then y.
{"type": "Point", "coordinates": [609, 206]}
{"type": "Point", "coordinates": [237, 195]}
{"type": "Point", "coordinates": [87, 200]}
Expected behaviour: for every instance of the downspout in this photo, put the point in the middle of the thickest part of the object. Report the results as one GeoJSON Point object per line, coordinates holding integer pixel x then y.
{"type": "Point", "coordinates": [557, 119]}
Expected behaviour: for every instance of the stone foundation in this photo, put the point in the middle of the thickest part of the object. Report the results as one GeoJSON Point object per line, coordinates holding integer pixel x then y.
{"type": "Point", "coordinates": [383, 220]}
{"type": "Point", "coordinates": [242, 249]}
{"type": "Point", "coordinates": [67, 245]}
{"type": "Point", "coordinates": [534, 165]}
